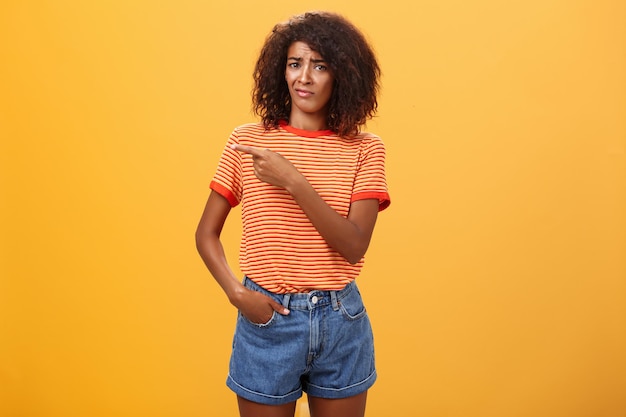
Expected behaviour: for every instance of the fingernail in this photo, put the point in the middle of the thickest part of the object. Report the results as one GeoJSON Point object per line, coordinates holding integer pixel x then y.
{"type": "Point", "coordinates": [233, 146]}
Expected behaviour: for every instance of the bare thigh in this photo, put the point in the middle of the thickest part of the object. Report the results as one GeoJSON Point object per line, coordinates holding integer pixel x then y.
{"type": "Point", "coordinates": [341, 407]}
{"type": "Point", "coordinates": [249, 408]}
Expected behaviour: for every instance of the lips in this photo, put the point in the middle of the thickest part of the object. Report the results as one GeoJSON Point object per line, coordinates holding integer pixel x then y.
{"type": "Point", "coordinates": [304, 93]}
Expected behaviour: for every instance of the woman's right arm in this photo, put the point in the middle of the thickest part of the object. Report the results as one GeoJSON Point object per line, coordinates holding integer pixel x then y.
{"type": "Point", "coordinates": [255, 306]}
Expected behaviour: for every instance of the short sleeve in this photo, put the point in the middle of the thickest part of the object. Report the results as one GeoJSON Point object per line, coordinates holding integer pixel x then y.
{"type": "Point", "coordinates": [228, 177]}
{"type": "Point", "coordinates": [370, 180]}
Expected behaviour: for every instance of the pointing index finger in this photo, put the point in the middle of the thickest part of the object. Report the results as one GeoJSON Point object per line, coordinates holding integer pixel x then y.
{"type": "Point", "coordinates": [246, 149]}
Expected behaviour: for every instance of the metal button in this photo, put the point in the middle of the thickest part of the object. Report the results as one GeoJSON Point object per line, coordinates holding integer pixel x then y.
{"type": "Point", "coordinates": [314, 299]}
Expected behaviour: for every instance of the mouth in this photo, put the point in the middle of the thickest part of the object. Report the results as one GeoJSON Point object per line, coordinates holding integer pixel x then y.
{"type": "Point", "coordinates": [303, 93]}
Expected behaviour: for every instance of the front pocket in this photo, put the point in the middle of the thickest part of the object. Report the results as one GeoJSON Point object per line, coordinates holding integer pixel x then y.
{"type": "Point", "coordinates": [260, 325]}
{"type": "Point", "coordinates": [352, 305]}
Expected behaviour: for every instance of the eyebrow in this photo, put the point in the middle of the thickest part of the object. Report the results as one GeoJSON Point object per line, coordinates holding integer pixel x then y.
{"type": "Point", "coordinates": [298, 59]}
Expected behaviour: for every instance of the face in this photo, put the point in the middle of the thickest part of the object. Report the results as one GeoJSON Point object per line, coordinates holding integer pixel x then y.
{"type": "Point", "coordinates": [310, 82]}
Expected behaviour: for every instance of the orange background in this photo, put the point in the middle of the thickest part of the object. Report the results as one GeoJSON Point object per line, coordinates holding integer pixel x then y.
{"type": "Point", "coordinates": [496, 281]}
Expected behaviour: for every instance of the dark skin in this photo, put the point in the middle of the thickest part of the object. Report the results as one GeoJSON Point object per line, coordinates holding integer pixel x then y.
{"type": "Point", "coordinates": [322, 407]}
{"type": "Point", "coordinates": [350, 236]}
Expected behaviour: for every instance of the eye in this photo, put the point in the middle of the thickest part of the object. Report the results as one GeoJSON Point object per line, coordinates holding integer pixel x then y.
{"type": "Point", "coordinates": [321, 67]}
{"type": "Point", "coordinates": [293, 65]}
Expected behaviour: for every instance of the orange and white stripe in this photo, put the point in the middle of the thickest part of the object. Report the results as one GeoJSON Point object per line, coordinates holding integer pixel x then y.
{"type": "Point", "coordinates": [280, 248]}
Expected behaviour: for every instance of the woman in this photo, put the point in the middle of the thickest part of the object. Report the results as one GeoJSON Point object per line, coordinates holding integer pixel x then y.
{"type": "Point", "coordinates": [311, 186]}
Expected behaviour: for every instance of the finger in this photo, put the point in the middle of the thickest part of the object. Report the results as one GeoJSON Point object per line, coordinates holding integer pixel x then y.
{"type": "Point", "coordinates": [279, 308]}
{"type": "Point", "coordinates": [247, 149]}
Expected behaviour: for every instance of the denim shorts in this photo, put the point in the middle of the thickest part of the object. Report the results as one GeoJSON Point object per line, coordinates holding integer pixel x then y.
{"type": "Point", "coordinates": [323, 347]}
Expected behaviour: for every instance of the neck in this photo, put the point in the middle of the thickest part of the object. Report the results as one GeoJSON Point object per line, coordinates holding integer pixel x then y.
{"type": "Point", "coordinates": [308, 121]}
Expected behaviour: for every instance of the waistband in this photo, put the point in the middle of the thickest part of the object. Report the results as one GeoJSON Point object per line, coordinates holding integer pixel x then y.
{"type": "Point", "coordinates": [305, 301]}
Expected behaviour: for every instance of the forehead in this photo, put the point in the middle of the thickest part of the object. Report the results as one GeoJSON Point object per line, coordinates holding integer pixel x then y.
{"type": "Point", "coordinates": [299, 49]}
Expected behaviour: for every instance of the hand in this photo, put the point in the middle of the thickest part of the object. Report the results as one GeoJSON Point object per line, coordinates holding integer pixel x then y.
{"type": "Point", "coordinates": [270, 167]}
{"type": "Point", "coordinates": [257, 307]}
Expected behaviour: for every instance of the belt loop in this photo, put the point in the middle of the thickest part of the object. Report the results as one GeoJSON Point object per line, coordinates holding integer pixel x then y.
{"type": "Point", "coordinates": [334, 301]}
{"type": "Point", "coordinates": [286, 299]}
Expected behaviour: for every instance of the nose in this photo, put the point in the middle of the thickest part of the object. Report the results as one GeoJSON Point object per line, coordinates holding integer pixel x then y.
{"type": "Point", "coordinates": [305, 76]}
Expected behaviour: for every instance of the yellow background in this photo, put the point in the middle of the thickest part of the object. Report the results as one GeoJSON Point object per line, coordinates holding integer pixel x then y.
{"type": "Point", "coordinates": [496, 281]}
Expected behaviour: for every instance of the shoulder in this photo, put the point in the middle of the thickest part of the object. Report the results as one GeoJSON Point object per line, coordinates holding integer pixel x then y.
{"type": "Point", "coordinates": [367, 137]}
{"type": "Point", "coordinates": [369, 140]}
{"type": "Point", "coordinates": [255, 129]}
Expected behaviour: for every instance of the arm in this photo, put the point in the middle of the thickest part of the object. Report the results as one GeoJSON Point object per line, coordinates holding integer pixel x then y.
{"type": "Point", "coordinates": [349, 236]}
{"type": "Point", "coordinates": [254, 305]}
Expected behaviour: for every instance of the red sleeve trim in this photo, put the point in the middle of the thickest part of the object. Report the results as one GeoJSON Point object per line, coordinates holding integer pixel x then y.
{"type": "Point", "coordinates": [224, 192]}
{"type": "Point", "coordinates": [383, 198]}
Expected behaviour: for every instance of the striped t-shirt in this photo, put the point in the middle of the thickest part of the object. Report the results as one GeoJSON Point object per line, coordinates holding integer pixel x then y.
{"type": "Point", "coordinates": [280, 248]}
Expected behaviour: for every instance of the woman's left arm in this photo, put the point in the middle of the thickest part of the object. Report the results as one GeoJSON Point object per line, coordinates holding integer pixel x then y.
{"type": "Point", "coordinates": [349, 236]}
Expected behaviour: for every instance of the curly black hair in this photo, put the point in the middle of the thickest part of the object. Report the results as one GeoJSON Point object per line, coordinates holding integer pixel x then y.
{"type": "Point", "coordinates": [348, 55]}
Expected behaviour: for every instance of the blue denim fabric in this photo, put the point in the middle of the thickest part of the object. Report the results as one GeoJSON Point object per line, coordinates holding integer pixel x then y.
{"type": "Point", "coordinates": [324, 347]}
